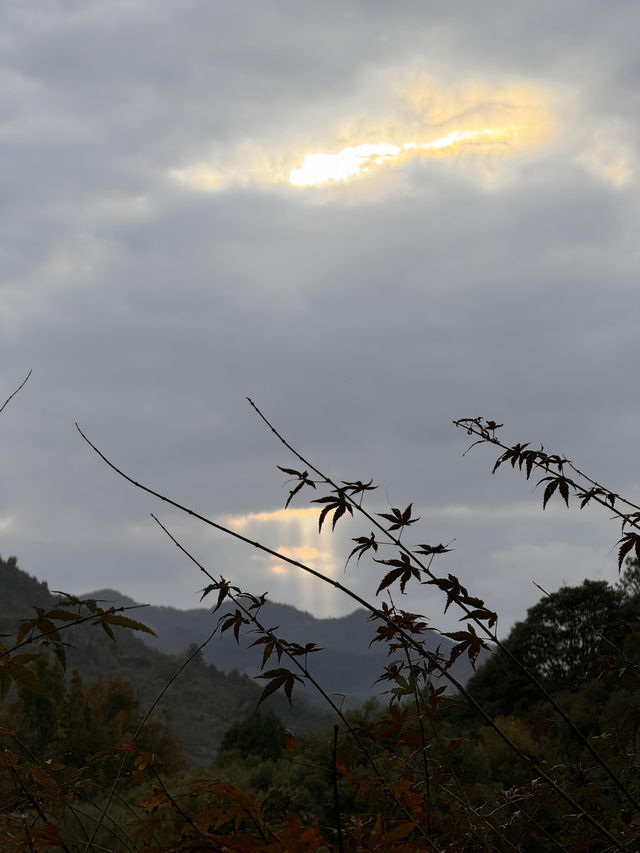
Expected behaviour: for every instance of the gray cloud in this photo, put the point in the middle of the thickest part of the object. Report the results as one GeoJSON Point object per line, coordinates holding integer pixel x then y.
{"type": "Point", "coordinates": [364, 319]}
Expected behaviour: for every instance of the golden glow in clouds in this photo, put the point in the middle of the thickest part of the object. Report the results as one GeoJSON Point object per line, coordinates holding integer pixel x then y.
{"type": "Point", "coordinates": [293, 533]}
{"type": "Point", "coordinates": [476, 121]}
{"type": "Point", "coordinates": [297, 533]}
{"type": "Point", "coordinates": [357, 161]}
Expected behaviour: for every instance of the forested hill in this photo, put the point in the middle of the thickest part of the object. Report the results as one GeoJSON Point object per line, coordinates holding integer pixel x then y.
{"type": "Point", "coordinates": [201, 704]}
{"type": "Point", "coordinates": [219, 687]}
{"type": "Point", "coordinates": [347, 665]}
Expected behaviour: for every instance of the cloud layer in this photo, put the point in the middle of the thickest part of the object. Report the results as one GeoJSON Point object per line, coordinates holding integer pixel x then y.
{"type": "Point", "coordinates": [158, 267]}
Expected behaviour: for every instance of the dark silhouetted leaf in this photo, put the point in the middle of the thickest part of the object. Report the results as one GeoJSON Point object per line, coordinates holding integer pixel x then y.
{"type": "Point", "coordinates": [469, 642]}
{"type": "Point", "coordinates": [279, 678]}
{"type": "Point", "coordinates": [303, 477]}
{"type": "Point", "coordinates": [338, 503]}
{"type": "Point", "coordinates": [399, 518]}
{"type": "Point", "coordinates": [552, 485]}
{"type": "Point", "coordinates": [427, 550]}
{"type": "Point", "coordinates": [232, 620]}
{"type": "Point", "coordinates": [125, 622]}
{"type": "Point", "coordinates": [403, 569]}
{"type": "Point", "coordinates": [628, 542]}
{"type": "Point", "coordinates": [357, 487]}
{"type": "Point", "coordinates": [364, 543]}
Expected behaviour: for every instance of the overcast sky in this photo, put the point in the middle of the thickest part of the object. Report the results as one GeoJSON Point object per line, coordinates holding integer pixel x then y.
{"type": "Point", "coordinates": [467, 245]}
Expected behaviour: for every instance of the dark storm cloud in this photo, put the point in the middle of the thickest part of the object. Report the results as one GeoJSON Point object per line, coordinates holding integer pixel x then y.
{"type": "Point", "coordinates": [363, 321]}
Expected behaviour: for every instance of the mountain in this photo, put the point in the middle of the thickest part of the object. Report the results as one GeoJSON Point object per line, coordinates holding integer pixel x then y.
{"type": "Point", "coordinates": [202, 702]}
{"type": "Point", "coordinates": [218, 686]}
{"type": "Point", "coordinates": [347, 665]}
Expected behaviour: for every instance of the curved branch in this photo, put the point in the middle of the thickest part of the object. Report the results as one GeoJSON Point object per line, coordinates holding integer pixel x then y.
{"type": "Point", "coordinates": [19, 388]}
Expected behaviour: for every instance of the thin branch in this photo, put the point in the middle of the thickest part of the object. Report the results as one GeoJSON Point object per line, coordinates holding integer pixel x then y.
{"type": "Point", "coordinates": [423, 739]}
{"type": "Point", "coordinates": [543, 463]}
{"type": "Point", "coordinates": [80, 620]}
{"type": "Point", "coordinates": [334, 783]}
{"type": "Point", "coordinates": [19, 388]}
{"type": "Point", "coordinates": [173, 802]}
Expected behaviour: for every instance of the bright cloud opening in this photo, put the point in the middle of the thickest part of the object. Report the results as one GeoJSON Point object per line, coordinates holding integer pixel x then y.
{"type": "Point", "coordinates": [359, 160]}
{"type": "Point", "coordinates": [476, 121]}
{"type": "Point", "coordinates": [293, 533]}
{"type": "Point", "coordinates": [241, 522]}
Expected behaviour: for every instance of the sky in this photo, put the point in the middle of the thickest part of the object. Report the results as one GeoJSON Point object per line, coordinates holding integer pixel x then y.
{"type": "Point", "coordinates": [372, 219]}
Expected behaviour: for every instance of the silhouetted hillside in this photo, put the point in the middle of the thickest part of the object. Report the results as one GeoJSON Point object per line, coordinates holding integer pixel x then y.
{"type": "Point", "coordinates": [347, 665]}
{"type": "Point", "coordinates": [200, 705]}
{"type": "Point", "coordinates": [218, 687]}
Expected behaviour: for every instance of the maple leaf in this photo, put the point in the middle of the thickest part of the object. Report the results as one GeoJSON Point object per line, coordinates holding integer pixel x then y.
{"type": "Point", "coordinates": [454, 589]}
{"type": "Point", "coordinates": [279, 678]}
{"type": "Point", "coordinates": [559, 483]}
{"type": "Point", "coordinates": [511, 455]}
{"type": "Point", "coordinates": [338, 503]}
{"type": "Point", "coordinates": [303, 477]}
{"type": "Point", "coordinates": [298, 650]}
{"type": "Point", "coordinates": [357, 487]}
{"type": "Point", "coordinates": [427, 550]}
{"type": "Point", "coordinates": [232, 620]}
{"type": "Point", "coordinates": [364, 543]}
{"type": "Point", "coordinates": [469, 642]}
{"type": "Point", "coordinates": [223, 588]}
{"type": "Point", "coordinates": [271, 644]}
{"type": "Point", "coordinates": [402, 569]}
{"type": "Point", "coordinates": [629, 541]}
{"type": "Point", "coordinates": [399, 518]}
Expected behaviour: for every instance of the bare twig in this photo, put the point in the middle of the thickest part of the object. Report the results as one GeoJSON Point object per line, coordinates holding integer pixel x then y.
{"type": "Point", "coordinates": [334, 782]}
{"type": "Point", "coordinates": [19, 388]}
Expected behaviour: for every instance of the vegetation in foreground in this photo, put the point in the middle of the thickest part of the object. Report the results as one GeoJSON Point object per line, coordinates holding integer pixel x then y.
{"type": "Point", "coordinates": [538, 752]}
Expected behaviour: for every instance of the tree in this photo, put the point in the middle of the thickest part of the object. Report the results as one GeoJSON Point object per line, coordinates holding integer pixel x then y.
{"type": "Point", "coordinates": [36, 712]}
{"type": "Point", "coordinates": [629, 582]}
{"type": "Point", "coordinates": [560, 637]}
{"type": "Point", "coordinates": [78, 734]}
{"type": "Point", "coordinates": [260, 735]}
{"type": "Point", "coordinates": [68, 723]}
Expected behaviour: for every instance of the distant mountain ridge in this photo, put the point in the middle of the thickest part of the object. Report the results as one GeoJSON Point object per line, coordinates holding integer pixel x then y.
{"type": "Point", "coordinates": [201, 704]}
{"type": "Point", "coordinates": [217, 687]}
{"type": "Point", "coordinates": [348, 665]}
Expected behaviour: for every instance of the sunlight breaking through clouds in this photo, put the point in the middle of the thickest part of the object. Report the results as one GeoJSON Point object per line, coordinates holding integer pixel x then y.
{"type": "Point", "coordinates": [294, 534]}
{"type": "Point", "coordinates": [477, 122]}
{"type": "Point", "coordinates": [241, 522]}
{"type": "Point", "coordinates": [357, 161]}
